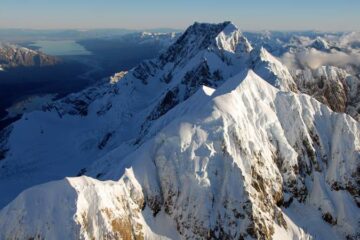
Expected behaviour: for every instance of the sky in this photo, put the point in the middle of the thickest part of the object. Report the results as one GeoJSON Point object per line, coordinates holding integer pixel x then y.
{"type": "Point", "coordinates": [324, 15]}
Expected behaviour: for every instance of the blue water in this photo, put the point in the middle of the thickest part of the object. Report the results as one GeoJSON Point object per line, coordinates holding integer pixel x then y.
{"type": "Point", "coordinates": [61, 48]}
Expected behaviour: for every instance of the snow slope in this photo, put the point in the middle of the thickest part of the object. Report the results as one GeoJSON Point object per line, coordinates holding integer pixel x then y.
{"type": "Point", "coordinates": [244, 137]}
{"type": "Point", "coordinates": [122, 113]}
{"type": "Point", "coordinates": [86, 209]}
{"type": "Point", "coordinates": [194, 144]}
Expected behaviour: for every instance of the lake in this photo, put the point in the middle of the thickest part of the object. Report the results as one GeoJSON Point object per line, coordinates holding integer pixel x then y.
{"type": "Point", "coordinates": [61, 48]}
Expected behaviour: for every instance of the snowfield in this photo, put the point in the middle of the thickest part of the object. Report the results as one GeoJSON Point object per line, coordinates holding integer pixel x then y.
{"type": "Point", "coordinates": [212, 140]}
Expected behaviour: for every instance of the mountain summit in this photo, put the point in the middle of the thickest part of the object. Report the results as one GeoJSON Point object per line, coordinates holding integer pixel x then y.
{"type": "Point", "coordinates": [202, 36]}
{"type": "Point", "coordinates": [209, 141]}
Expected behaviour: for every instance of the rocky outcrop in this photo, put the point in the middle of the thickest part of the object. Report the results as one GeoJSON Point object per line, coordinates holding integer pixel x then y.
{"type": "Point", "coordinates": [332, 86]}
{"type": "Point", "coordinates": [16, 56]}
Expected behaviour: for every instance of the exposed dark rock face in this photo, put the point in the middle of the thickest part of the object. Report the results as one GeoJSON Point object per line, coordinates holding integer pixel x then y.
{"type": "Point", "coordinates": [197, 37]}
{"type": "Point", "coordinates": [77, 104]}
{"type": "Point", "coordinates": [4, 134]}
{"type": "Point", "coordinates": [105, 140]}
{"type": "Point", "coordinates": [145, 70]}
{"type": "Point", "coordinates": [329, 218]}
{"type": "Point", "coordinates": [332, 86]}
{"type": "Point", "coordinates": [200, 76]}
{"type": "Point", "coordinates": [168, 101]}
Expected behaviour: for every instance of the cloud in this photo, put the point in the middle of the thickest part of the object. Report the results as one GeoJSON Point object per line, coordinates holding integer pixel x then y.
{"type": "Point", "coordinates": [313, 59]}
{"type": "Point", "coordinates": [349, 39]}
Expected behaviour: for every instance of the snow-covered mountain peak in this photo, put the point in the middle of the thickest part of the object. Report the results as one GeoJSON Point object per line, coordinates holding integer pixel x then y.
{"type": "Point", "coordinates": [207, 54]}
{"type": "Point", "coordinates": [200, 36]}
{"type": "Point", "coordinates": [231, 39]}
{"type": "Point", "coordinates": [205, 142]}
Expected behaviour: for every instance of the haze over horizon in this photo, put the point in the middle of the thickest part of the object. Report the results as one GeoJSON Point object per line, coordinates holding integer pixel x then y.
{"type": "Point", "coordinates": [321, 15]}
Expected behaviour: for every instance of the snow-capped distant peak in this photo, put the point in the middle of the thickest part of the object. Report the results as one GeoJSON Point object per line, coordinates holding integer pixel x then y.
{"type": "Point", "coordinates": [320, 44]}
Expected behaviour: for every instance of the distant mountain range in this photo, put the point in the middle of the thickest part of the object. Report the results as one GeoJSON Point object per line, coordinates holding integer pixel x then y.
{"type": "Point", "coordinates": [16, 56]}
{"type": "Point", "coordinates": [33, 34]}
